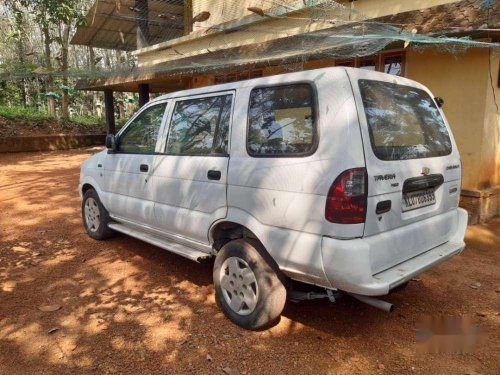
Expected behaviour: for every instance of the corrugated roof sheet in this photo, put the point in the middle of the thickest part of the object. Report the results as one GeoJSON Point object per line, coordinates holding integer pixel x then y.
{"type": "Point", "coordinates": [113, 23]}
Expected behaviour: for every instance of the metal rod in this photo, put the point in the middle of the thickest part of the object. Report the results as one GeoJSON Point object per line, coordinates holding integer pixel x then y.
{"type": "Point", "coordinates": [375, 302]}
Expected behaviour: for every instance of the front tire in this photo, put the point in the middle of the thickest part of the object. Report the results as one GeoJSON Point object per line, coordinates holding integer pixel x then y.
{"type": "Point", "coordinates": [249, 287]}
{"type": "Point", "coordinates": [95, 217]}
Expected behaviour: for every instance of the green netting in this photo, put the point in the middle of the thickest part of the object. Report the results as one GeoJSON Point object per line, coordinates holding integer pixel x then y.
{"type": "Point", "coordinates": [295, 32]}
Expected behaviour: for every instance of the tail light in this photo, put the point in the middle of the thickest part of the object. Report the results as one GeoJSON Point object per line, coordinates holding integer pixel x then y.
{"type": "Point", "coordinates": [347, 197]}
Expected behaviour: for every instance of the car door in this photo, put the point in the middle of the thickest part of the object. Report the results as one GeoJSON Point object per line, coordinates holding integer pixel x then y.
{"type": "Point", "coordinates": [128, 170]}
{"type": "Point", "coordinates": [413, 165]}
{"type": "Point", "coordinates": [190, 177]}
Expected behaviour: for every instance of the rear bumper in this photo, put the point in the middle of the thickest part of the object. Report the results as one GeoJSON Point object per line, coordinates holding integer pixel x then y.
{"type": "Point", "coordinates": [347, 263]}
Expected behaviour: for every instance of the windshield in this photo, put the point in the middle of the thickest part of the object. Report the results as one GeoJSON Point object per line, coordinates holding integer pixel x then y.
{"type": "Point", "coordinates": [404, 122]}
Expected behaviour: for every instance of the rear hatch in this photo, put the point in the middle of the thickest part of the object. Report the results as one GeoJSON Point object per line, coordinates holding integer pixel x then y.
{"type": "Point", "coordinates": [412, 161]}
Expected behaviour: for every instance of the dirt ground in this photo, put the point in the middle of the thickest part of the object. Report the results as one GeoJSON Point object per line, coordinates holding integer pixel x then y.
{"type": "Point", "coordinates": [122, 306]}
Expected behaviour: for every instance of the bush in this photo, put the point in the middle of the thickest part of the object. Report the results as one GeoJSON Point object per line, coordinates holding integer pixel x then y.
{"type": "Point", "coordinates": [87, 120]}
{"type": "Point", "coordinates": [16, 120]}
{"type": "Point", "coordinates": [32, 114]}
{"type": "Point", "coordinates": [22, 113]}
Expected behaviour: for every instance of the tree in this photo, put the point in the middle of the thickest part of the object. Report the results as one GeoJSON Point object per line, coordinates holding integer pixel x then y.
{"type": "Point", "coordinates": [64, 15]}
{"type": "Point", "coordinates": [39, 66]}
{"type": "Point", "coordinates": [20, 37]}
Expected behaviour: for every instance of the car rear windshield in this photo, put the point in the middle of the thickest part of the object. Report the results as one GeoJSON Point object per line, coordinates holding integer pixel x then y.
{"type": "Point", "coordinates": [404, 122]}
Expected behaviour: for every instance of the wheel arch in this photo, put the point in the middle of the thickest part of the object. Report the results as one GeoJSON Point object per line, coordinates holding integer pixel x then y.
{"type": "Point", "coordinates": [227, 230]}
{"type": "Point", "coordinates": [89, 183]}
{"type": "Point", "coordinates": [85, 187]}
{"type": "Point", "coordinates": [238, 224]}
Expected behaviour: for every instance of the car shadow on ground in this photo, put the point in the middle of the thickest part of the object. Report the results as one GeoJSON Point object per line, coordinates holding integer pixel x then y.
{"type": "Point", "coordinates": [123, 305]}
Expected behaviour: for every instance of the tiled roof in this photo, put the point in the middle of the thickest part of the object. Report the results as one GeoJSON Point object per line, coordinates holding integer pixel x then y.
{"type": "Point", "coordinates": [459, 16]}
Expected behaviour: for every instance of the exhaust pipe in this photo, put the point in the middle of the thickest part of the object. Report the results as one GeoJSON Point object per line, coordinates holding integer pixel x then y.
{"type": "Point", "coordinates": [375, 302]}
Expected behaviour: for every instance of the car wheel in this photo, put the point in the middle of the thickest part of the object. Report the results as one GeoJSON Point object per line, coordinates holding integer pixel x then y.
{"type": "Point", "coordinates": [249, 287]}
{"type": "Point", "coordinates": [95, 217]}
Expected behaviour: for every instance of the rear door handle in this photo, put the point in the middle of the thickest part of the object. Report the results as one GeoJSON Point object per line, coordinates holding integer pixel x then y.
{"type": "Point", "coordinates": [214, 175]}
{"type": "Point", "coordinates": [144, 167]}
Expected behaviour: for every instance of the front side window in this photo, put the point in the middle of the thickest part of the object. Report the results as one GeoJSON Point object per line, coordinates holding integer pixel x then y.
{"type": "Point", "coordinates": [200, 126]}
{"type": "Point", "coordinates": [404, 122]}
{"type": "Point", "coordinates": [281, 121]}
{"type": "Point", "coordinates": [141, 135]}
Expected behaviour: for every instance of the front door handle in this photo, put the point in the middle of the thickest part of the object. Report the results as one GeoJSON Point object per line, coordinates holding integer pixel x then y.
{"type": "Point", "coordinates": [144, 167]}
{"type": "Point", "coordinates": [214, 175]}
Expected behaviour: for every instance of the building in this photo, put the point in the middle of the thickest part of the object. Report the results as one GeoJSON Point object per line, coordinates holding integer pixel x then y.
{"type": "Point", "coordinates": [170, 38]}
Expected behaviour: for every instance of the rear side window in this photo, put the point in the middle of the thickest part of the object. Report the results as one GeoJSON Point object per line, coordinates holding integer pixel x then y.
{"type": "Point", "coordinates": [200, 126]}
{"type": "Point", "coordinates": [281, 121]}
{"type": "Point", "coordinates": [404, 122]}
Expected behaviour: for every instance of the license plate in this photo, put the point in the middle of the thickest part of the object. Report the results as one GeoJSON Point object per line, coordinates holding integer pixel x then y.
{"type": "Point", "coordinates": [418, 199]}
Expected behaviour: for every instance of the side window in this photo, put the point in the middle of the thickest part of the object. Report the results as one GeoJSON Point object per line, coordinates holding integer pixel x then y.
{"type": "Point", "coordinates": [281, 121]}
{"type": "Point", "coordinates": [200, 126]}
{"type": "Point", "coordinates": [141, 135]}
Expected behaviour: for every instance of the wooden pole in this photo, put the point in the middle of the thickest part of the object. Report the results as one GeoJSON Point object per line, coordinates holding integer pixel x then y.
{"type": "Point", "coordinates": [143, 94]}
{"type": "Point", "coordinates": [109, 106]}
{"type": "Point", "coordinates": [188, 16]}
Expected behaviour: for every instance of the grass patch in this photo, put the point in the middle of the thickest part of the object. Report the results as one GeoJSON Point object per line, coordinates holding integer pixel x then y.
{"type": "Point", "coordinates": [21, 113]}
{"type": "Point", "coordinates": [32, 114]}
{"type": "Point", "coordinates": [16, 120]}
{"type": "Point", "coordinates": [87, 120]}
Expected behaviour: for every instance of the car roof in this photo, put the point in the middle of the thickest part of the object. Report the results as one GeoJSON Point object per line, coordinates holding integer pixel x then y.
{"type": "Point", "coordinates": [305, 75]}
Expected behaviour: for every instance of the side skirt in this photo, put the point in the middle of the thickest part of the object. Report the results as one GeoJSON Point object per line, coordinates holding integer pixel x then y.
{"type": "Point", "coordinates": [169, 245]}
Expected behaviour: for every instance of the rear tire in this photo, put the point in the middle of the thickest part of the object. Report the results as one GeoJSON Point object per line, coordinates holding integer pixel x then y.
{"type": "Point", "coordinates": [95, 217]}
{"type": "Point", "coordinates": [249, 287]}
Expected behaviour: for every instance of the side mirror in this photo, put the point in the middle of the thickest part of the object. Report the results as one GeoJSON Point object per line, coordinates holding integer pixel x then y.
{"type": "Point", "coordinates": [111, 143]}
{"type": "Point", "coordinates": [439, 101]}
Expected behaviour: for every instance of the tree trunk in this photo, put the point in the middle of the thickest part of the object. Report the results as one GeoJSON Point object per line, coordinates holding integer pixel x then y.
{"type": "Point", "coordinates": [64, 69]}
{"type": "Point", "coordinates": [51, 103]}
{"type": "Point", "coordinates": [21, 50]}
{"type": "Point", "coordinates": [107, 59]}
{"type": "Point", "coordinates": [92, 67]}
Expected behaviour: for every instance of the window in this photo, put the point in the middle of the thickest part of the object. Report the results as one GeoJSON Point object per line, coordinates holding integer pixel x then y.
{"type": "Point", "coordinates": [391, 62]}
{"type": "Point", "coordinates": [403, 121]}
{"type": "Point", "coordinates": [239, 76]}
{"type": "Point", "coordinates": [369, 64]}
{"type": "Point", "coordinates": [346, 63]}
{"type": "Point", "coordinates": [200, 126]}
{"type": "Point", "coordinates": [141, 135]}
{"type": "Point", "coordinates": [281, 121]}
{"type": "Point", "coordinates": [393, 65]}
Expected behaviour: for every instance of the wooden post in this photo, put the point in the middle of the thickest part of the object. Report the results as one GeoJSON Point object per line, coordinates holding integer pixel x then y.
{"type": "Point", "coordinates": [188, 17]}
{"type": "Point", "coordinates": [109, 106]}
{"type": "Point", "coordinates": [143, 94]}
{"type": "Point", "coordinates": [142, 20]}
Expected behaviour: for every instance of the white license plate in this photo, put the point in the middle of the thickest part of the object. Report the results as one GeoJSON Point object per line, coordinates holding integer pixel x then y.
{"type": "Point", "coordinates": [419, 198]}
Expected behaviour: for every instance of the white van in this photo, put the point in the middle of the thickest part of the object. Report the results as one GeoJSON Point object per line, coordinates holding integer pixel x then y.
{"type": "Point", "coordinates": [340, 178]}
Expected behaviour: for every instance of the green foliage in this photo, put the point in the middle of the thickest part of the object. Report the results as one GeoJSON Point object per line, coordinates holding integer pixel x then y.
{"type": "Point", "coordinates": [18, 113]}
{"type": "Point", "coordinates": [21, 113]}
{"type": "Point", "coordinates": [14, 66]}
{"type": "Point", "coordinates": [120, 123]}
{"type": "Point", "coordinates": [87, 120]}
{"type": "Point", "coordinates": [10, 92]}
{"type": "Point", "coordinates": [56, 11]}
{"type": "Point", "coordinates": [51, 94]}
